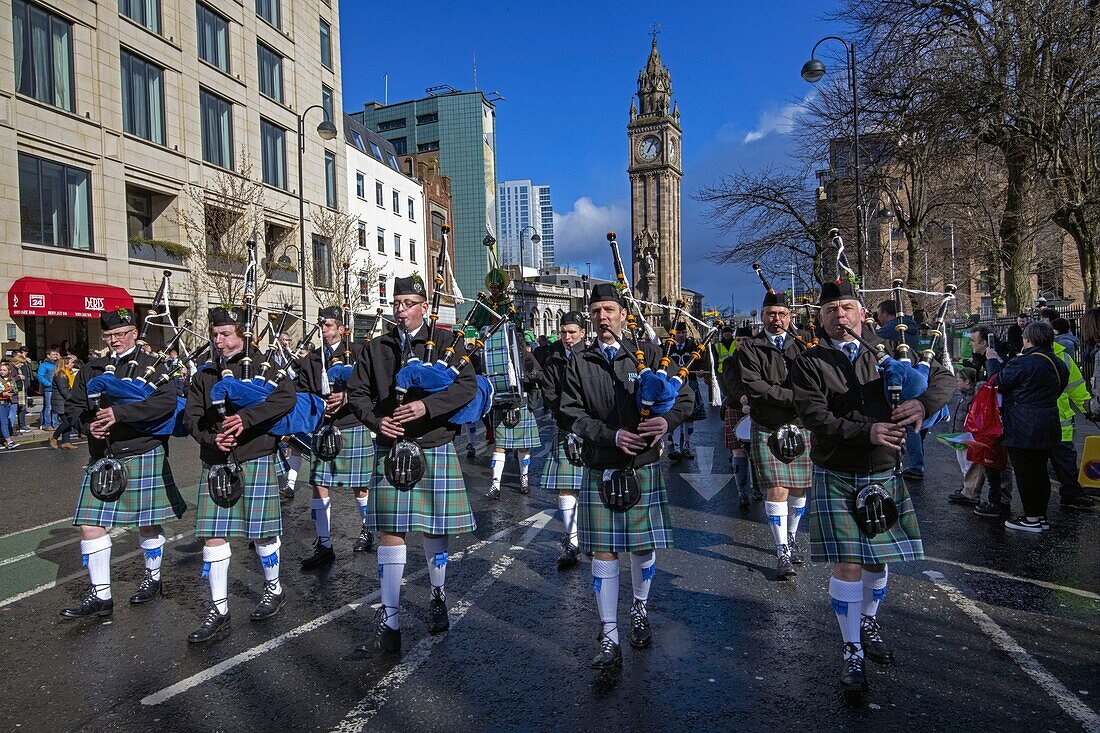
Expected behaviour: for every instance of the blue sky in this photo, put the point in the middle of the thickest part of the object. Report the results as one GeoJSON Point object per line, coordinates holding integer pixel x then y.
{"type": "Point", "coordinates": [568, 70]}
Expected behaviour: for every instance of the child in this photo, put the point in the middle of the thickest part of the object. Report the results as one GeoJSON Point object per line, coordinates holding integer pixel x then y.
{"type": "Point", "coordinates": [973, 473]}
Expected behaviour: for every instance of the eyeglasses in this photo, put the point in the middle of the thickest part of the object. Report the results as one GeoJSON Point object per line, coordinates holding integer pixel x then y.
{"type": "Point", "coordinates": [406, 305]}
{"type": "Point", "coordinates": [109, 336]}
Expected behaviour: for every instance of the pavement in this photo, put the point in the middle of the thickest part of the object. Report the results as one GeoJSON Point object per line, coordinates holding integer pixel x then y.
{"type": "Point", "coordinates": [995, 630]}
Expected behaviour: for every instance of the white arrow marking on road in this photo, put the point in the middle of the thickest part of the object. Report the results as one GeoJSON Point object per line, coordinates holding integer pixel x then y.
{"type": "Point", "coordinates": [708, 483]}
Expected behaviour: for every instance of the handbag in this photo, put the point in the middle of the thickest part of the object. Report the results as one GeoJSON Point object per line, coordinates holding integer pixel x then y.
{"type": "Point", "coordinates": [983, 421]}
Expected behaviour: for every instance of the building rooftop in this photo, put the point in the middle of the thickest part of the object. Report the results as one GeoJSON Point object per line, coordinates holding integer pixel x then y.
{"type": "Point", "coordinates": [370, 142]}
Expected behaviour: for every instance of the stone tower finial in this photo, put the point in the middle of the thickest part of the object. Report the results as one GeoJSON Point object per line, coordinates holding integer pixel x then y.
{"type": "Point", "coordinates": [654, 84]}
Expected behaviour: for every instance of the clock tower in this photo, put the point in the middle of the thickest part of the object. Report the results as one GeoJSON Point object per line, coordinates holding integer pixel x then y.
{"type": "Point", "coordinates": [655, 174]}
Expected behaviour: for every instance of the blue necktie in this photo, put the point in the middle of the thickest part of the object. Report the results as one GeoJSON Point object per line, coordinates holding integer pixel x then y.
{"type": "Point", "coordinates": [852, 350]}
{"type": "Point", "coordinates": [610, 351]}
{"type": "Point", "coordinates": [779, 342]}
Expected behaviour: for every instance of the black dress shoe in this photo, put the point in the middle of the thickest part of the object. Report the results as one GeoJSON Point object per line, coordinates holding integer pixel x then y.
{"type": "Point", "coordinates": [852, 678]}
{"type": "Point", "coordinates": [568, 557]}
{"type": "Point", "coordinates": [784, 567]}
{"type": "Point", "coordinates": [214, 626]}
{"type": "Point", "coordinates": [147, 591]}
{"type": "Point", "coordinates": [438, 621]}
{"type": "Point", "coordinates": [365, 543]}
{"type": "Point", "coordinates": [286, 495]}
{"type": "Point", "coordinates": [743, 504]}
{"type": "Point", "coordinates": [675, 455]}
{"type": "Point", "coordinates": [641, 635]}
{"type": "Point", "coordinates": [270, 603]}
{"type": "Point", "coordinates": [1078, 501]}
{"type": "Point", "coordinates": [874, 646]}
{"type": "Point", "coordinates": [322, 556]}
{"type": "Point", "coordinates": [798, 555]}
{"type": "Point", "coordinates": [610, 656]}
{"type": "Point", "coordinates": [524, 485]}
{"type": "Point", "coordinates": [493, 493]}
{"type": "Point", "coordinates": [385, 640]}
{"type": "Point", "coordinates": [92, 605]}
{"type": "Point", "coordinates": [687, 453]}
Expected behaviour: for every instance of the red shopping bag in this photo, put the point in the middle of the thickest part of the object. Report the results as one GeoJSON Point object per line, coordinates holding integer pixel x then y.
{"type": "Point", "coordinates": [984, 423]}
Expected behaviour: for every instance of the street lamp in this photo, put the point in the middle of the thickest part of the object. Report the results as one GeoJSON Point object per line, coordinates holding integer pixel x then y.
{"type": "Point", "coordinates": [326, 130]}
{"type": "Point", "coordinates": [813, 71]}
{"type": "Point", "coordinates": [535, 239]}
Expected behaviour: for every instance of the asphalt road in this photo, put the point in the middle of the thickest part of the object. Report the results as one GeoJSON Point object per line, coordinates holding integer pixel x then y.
{"type": "Point", "coordinates": [996, 630]}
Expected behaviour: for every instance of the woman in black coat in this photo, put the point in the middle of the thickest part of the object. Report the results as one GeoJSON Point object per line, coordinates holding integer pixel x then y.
{"type": "Point", "coordinates": [61, 388]}
{"type": "Point", "coordinates": [1030, 385]}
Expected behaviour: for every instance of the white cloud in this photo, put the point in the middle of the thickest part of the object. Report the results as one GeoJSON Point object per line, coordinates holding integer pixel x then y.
{"type": "Point", "coordinates": [780, 121]}
{"type": "Point", "coordinates": [580, 235]}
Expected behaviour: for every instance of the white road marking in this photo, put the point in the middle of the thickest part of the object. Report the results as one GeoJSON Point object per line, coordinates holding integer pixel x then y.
{"type": "Point", "coordinates": [1008, 576]}
{"type": "Point", "coordinates": [1066, 700]}
{"type": "Point", "coordinates": [115, 532]}
{"type": "Point", "coordinates": [41, 526]}
{"type": "Point", "coordinates": [359, 716]}
{"type": "Point", "coordinates": [42, 447]}
{"type": "Point", "coordinates": [707, 483]}
{"type": "Point", "coordinates": [274, 643]}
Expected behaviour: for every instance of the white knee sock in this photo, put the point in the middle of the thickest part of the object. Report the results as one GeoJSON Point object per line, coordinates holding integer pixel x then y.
{"type": "Point", "coordinates": [319, 509]}
{"type": "Point", "coordinates": [154, 554]}
{"type": "Point", "coordinates": [797, 506]}
{"type": "Point", "coordinates": [435, 552]}
{"type": "Point", "coordinates": [391, 567]}
{"type": "Point", "coordinates": [498, 468]}
{"type": "Point", "coordinates": [777, 521]}
{"type": "Point", "coordinates": [215, 567]}
{"type": "Point", "coordinates": [362, 501]}
{"type": "Point", "coordinates": [293, 462]}
{"type": "Point", "coordinates": [642, 570]}
{"type": "Point", "coordinates": [269, 559]}
{"type": "Point", "coordinates": [96, 555]}
{"type": "Point", "coordinates": [874, 590]}
{"type": "Point", "coordinates": [605, 582]}
{"type": "Point", "coordinates": [847, 598]}
{"type": "Point", "coordinates": [568, 505]}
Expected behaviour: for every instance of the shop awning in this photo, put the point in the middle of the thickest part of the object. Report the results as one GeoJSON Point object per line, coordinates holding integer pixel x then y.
{"type": "Point", "coordinates": [39, 296]}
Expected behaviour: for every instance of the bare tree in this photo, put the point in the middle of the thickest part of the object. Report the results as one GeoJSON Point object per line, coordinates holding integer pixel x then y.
{"type": "Point", "coordinates": [336, 241]}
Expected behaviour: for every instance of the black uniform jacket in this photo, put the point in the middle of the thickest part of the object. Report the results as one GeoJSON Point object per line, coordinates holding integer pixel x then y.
{"type": "Point", "coordinates": [765, 376]}
{"type": "Point", "coordinates": [309, 376]}
{"type": "Point", "coordinates": [598, 398]}
{"type": "Point", "coordinates": [372, 396]}
{"type": "Point", "coordinates": [125, 441]}
{"type": "Point", "coordinates": [254, 442]}
{"type": "Point", "coordinates": [553, 382]}
{"type": "Point", "coordinates": [839, 400]}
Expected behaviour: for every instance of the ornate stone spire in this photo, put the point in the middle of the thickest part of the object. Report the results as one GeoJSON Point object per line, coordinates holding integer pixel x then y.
{"type": "Point", "coordinates": [654, 84]}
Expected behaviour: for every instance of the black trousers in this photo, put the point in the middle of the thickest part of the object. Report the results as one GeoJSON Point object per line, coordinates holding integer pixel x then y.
{"type": "Point", "coordinates": [1063, 459]}
{"type": "Point", "coordinates": [1032, 481]}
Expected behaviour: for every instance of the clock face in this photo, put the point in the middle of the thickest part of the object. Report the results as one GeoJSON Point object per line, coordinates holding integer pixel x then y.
{"type": "Point", "coordinates": [649, 148]}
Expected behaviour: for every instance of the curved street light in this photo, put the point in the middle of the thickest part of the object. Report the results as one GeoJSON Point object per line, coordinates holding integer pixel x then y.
{"type": "Point", "coordinates": [326, 130]}
{"type": "Point", "coordinates": [535, 239]}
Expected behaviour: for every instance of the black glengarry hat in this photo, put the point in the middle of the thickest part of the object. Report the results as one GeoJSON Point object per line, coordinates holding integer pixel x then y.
{"type": "Point", "coordinates": [110, 320]}
{"type": "Point", "coordinates": [832, 291]}
{"type": "Point", "coordinates": [333, 312]}
{"type": "Point", "coordinates": [574, 318]}
{"type": "Point", "coordinates": [776, 299]}
{"type": "Point", "coordinates": [602, 292]}
{"type": "Point", "coordinates": [744, 330]}
{"type": "Point", "coordinates": [411, 285]}
{"type": "Point", "coordinates": [222, 316]}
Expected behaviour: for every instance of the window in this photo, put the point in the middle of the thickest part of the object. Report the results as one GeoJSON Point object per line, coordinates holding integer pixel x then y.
{"type": "Point", "coordinates": [326, 103]}
{"type": "Point", "coordinates": [139, 214]}
{"type": "Point", "coordinates": [273, 152]}
{"type": "Point", "coordinates": [379, 197]}
{"type": "Point", "coordinates": [427, 119]}
{"type": "Point", "coordinates": [326, 44]}
{"type": "Point", "coordinates": [213, 38]}
{"type": "Point", "coordinates": [362, 235]}
{"type": "Point", "coordinates": [145, 13]}
{"type": "Point", "coordinates": [400, 145]}
{"type": "Point", "coordinates": [360, 185]}
{"type": "Point", "coordinates": [364, 290]}
{"type": "Point", "coordinates": [396, 202]}
{"type": "Point", "coordinates": [438, 220]}
{"type": "Point", "coordinates": [330, 179]}
{"type": "Point", "coordinates": [375, 151]}
{"type": "Point", "coordinates": [412, 250]}
{"type": "Point", "coordinates": [322, 262]}
{"type": "Point", "coordinates": [397, 245]}
{"type": "Point", "coordinates": [382, 289]}
{"type": "Point", "coordinates": [142, 98]}
{"type": "Point", "coordinates": [388, 125]}
{"type": "Point", "coordinates": [271, 72]}
{"type": "Point", "coordinates": [393, 162]}
{"type": "Point", "coordinates": [412, 210]}
{"type": "Point", "coordinates": [269, 11]}
{"type": "Point", "coordinates": [381, 241]}
{"type": "Point", "coordinates": [427, 147]}
{"type": "Point", "coordinates": [55, 204]}
{"type": "Point", "coordinates": [43, 55]}
{"type": "Point", "coordinates": [217, 129]}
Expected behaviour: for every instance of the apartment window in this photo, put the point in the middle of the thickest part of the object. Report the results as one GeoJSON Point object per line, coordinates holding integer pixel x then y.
{"type": "Point", "coordinates": [362, 235]}
{"type": "Point", "coordinates": [330, 179]}
{"type": "Point", "coordinates": [364, 290]}
{"type": "Point", "coordinates": [360, 185]}
{"type": "Point", "coordinates": [322, 262]}
{"type": "Point", "coordinates": [412, 210]}
{"type": "Point", "coordinates": [43, 55]}
{"type": "Point", "coordinates": [217, 129]}
{"type": "Point", "coordinates": [397, 245]}
{"type": "Point", "coordinates": [387, 125]}
{"type": "Point", "coordinates": [273, 152]}
{"type": "Point", "coordinates": [326, 102]}
{"type": "Point", "coordinates": [376, 151]}
{"type": "Point", "coordinates": [427, 119]}
{"type": "Point", "coordinates": [438, 220]}
{"type": "Point", "coordinates": [396, 202]}
{"type": "Point", "coordinates": [55, 204]}
{"type": "Point", "coordinates": [382, 289]}
{"type": "Point", "coordinates": [393, 161]}
{"type": "Point", "coordinates": [142, 98]}
{"type": "Point", "coordinates": [381, 241]}
{"type": "Point", "coordinates": [213, 38]}
{"type": "Point", "coordinates": [145, 13]}
{"type": "Point", "coordinates": [400, 145]}
{"type": "Point", "coordinates": [271, 72]}
{"type": "Point", "coordinates": [379, 195]}
{"type": "Point", "coordinates": [326, 44]}
{"type": "Point", "coordinates": [269, 11]}
{"type": "Point", "coordinates": [427, 147]}
{"type": "Point", "coordinates": [139, 214]}
{"type": "Point", "coordinates": [412, 250]}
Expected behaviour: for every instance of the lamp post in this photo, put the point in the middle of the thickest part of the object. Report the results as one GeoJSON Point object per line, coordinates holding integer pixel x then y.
{"type": "Point", "coordinates": [326, 130]}
{"type": "Point", "coordinates": [812, 71]}
{"type": "Point", "coordinates": [535, 239]}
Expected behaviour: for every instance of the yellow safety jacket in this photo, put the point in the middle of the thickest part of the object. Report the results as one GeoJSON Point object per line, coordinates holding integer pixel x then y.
{"type": "Point", "coordinates": [1076, 392]}
{"type": "Point", "coordinates": [723, 352]}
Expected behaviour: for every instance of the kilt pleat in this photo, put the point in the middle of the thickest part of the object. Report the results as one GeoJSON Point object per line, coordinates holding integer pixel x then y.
{"type": "Point", "coordinates": [352, 467]}
{"type": "Point", "coordinates": [151, 496]}
{"type": "Point", "coordinates": [256, 515]}
{"type": "Point", "coordinates": [835, 534]}
{"type": "Point", "coordinates": [646, 526]}
{"type": "Point", "coordinates": [559, 474]}
{"type": "Point", "coordinates": [436, 505]}
{"type": "Point", "coordinates": [524, 435]}
{"type": "Point", "coordinates": [769, 471]}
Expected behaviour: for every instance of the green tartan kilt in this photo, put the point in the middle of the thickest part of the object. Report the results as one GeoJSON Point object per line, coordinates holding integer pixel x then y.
{"type": "Point", "coordinates": [256, 514]}
{"type": "Point", "coordinates": [769, 471]}
{"type": "Point", "coordinates": [524, 435]}
{"type": "Point", "coordinates": [559, 474]}
{"type": "Point", "coordinates": [352, 466]}
{"type": "Point", "coordinates": [645, 526]}
{"type": "Point", "coordinates": [437, 505]}
{"type": "Point", "coordinates": [834, 533]}
{"type": "Point", "coordinates": [150, 498]}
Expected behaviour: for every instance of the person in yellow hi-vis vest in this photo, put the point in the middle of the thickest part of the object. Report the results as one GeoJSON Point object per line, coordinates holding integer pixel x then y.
{"type": "Point", "coordinates": [725, 347]}
{"type": "Point", "coordinates": [1063, 458]}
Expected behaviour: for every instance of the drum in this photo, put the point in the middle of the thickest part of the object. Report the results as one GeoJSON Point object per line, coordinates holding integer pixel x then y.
{"type": "Point", "coordinates": [504, 367]}
{"type": "Point", "coordinates": [743, 431]}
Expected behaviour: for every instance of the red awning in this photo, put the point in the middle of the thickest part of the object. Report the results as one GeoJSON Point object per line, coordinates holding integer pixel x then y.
{"type": "Point", "coordinates": [38, 296]}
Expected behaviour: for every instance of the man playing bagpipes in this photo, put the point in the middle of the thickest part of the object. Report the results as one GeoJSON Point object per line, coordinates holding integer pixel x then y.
{"type": "Point", "coordinates": [128, 482]}
{"type": "Point", "coordinates": [416, 484]}
{"type": "Point", "coordinates": [241, 474]}
{"type": "Point", "coordinates": [564, 471]}
{"type": "Point", "coordinates": [861, 516]}
{"type": "Point", "coordinates": [779, 447]}
{"type": "Point", "coordinates": [734, 409]}
{"type": "Point", "coordinates": [680, 354]}
{"type": "Point", "coordinates": [623, 501]}
{"type": "Point", "coordinates": [352, 465]}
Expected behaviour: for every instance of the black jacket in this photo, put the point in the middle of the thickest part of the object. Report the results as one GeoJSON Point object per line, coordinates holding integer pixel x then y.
{"type": "Point", "coordinates": [680, 354]}
{"type": "Point", "coordinates": [309, 378]}
{"type": "Point", "coordinates": [125, 440]}
{"type": "Point", "coordinates": [765, 376]}
{"type": "Point", "coordinates": [1030, 385]}
{"type": "Point", "coordinates": [372, 396]}
{"type": "Point", "coordinates": [202, 418]}
{"type": "Point", "coordinates": [553, 382]}
{"type": "Point", "coordinates": [598, 398]}
{"type": "Point", "coordinates": [61, 391]}
{"type": "Point", "coordinates": [839, 401]}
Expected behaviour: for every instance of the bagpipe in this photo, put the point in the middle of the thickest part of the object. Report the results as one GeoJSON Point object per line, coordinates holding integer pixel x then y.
{"type": "Point", "coordinates": [634, 314]}
{"type": "Point", "coordinates": [327, 440]}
